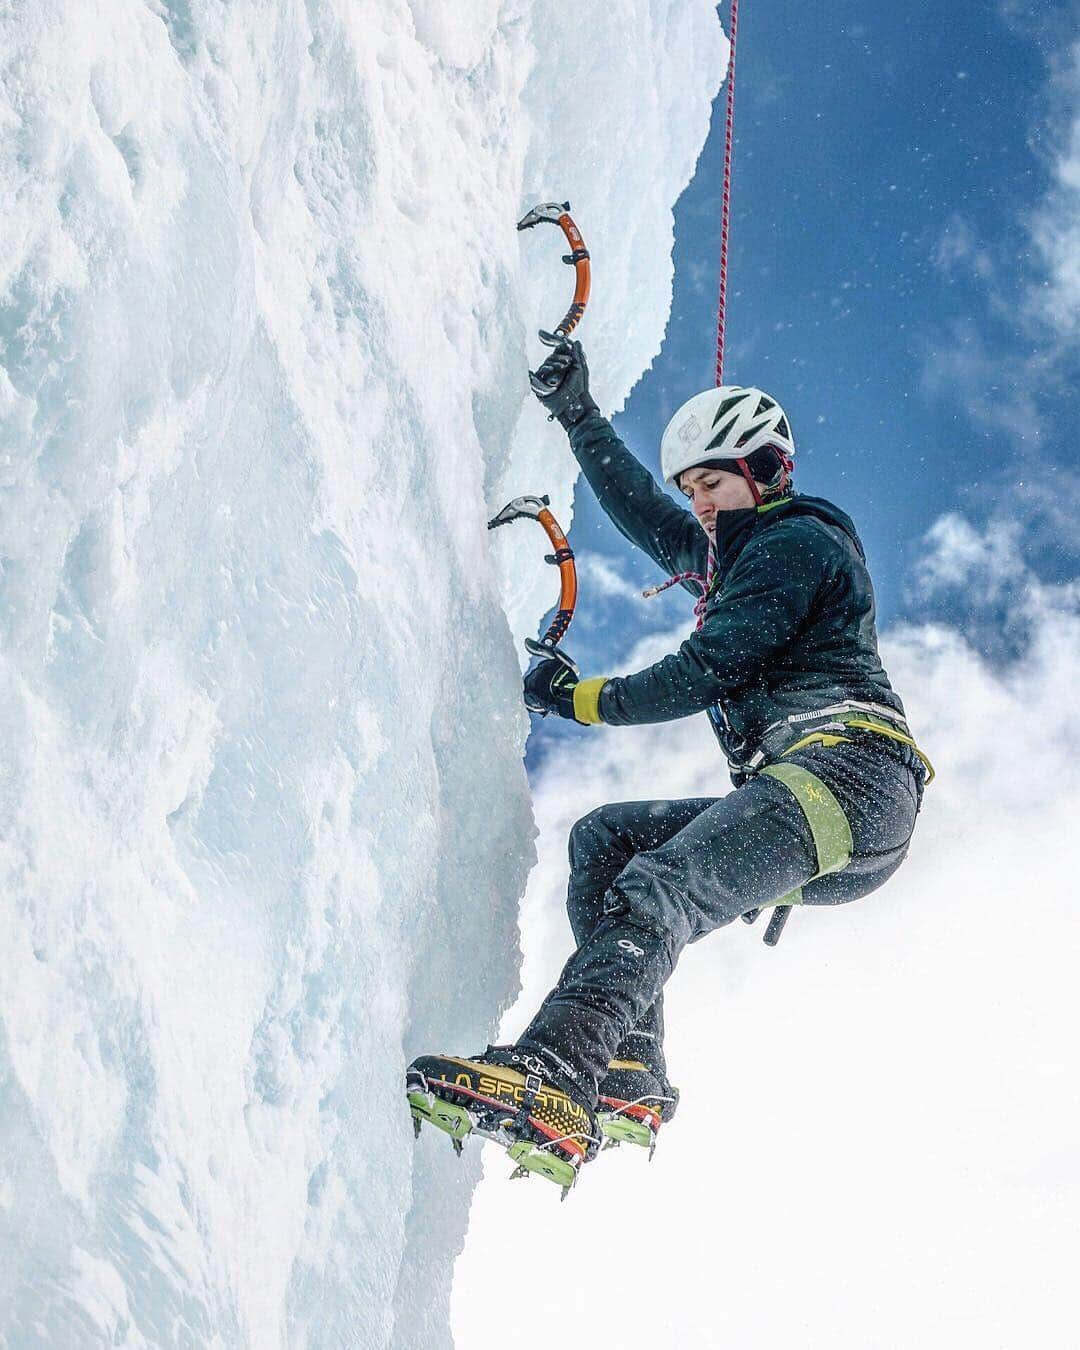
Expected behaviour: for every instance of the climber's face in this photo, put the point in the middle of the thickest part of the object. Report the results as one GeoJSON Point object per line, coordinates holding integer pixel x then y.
{"type": "Point", "coordinates": [711, 490]}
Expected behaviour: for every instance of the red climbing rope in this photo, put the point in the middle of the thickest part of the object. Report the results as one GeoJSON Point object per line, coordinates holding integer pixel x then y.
{"type": "Point", "coordinates": [725, 211]}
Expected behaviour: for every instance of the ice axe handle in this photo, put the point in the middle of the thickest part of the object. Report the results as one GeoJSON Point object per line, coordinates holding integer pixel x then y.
{"type": "Point", "coordinates": [548, 651]}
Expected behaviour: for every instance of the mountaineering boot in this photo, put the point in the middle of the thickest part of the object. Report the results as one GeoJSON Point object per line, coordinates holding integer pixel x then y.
{"type": "Point", "coordinates": [634, 1101]}
{"type": "Point", "coordinates": [511, 1097]}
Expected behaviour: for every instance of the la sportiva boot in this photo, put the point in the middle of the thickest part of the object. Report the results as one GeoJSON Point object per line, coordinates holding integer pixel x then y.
{"type": "Point", "coordinates": [634, 1101]}
{"type": "Point", "coordinates": [508, 1096]}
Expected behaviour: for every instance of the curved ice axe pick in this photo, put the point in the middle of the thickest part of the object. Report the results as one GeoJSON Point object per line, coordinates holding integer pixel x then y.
{"type": "Point", "coordinates": [558, 213]}
{"type": "Point", "coordinates": [536, 508]}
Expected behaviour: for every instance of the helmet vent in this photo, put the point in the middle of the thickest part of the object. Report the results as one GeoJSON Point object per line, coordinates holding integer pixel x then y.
{"type": "Point", "coordinates": [764, 405]}
{"type": "Point", "coordinates": [750, 433]}
{"type": "Point", "coordinates": [728, 404]}
{"type": "Point", "coordinates": [782, 429]}
{"type": "Point", "coordinates": [721, 435]}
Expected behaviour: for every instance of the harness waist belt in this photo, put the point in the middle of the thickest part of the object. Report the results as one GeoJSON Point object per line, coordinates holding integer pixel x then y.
{"type": "Point", "coordinates": [799, 729]}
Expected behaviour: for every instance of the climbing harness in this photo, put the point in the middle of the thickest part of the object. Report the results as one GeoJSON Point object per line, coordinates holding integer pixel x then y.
{"type": "Point", "coordinates": [536, 508]}
{"type": "Point", "coordinates": [827, 725]}
{"type": "Point", "coordinates": [824, 814]}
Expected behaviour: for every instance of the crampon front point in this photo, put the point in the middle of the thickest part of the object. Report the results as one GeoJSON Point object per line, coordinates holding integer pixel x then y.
{"type": "Point", "coordinates": [629, 1123]}
{"type": "Point", "coordinates": [546, 1132]}
{"type": "Point", "coordinates": [634, 1102]}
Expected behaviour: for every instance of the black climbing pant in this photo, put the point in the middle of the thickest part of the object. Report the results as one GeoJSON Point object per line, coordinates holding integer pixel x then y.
{"type": "Point", "coordinates": [824, 825]}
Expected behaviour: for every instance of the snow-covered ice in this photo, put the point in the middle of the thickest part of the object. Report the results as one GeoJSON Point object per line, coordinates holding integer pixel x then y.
{"type": "Point", "coordinates": [264, 827]}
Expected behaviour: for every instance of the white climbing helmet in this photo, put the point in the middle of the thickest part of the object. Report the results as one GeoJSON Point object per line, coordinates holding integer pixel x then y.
{"type": "Point", "coordinates": [729, 422]}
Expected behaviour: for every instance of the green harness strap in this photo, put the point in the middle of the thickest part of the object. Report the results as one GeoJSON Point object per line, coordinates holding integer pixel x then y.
{"type": "Point", "coordinates": [825, 816]}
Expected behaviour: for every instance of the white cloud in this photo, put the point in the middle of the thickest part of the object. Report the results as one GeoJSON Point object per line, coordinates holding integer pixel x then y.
{"type": "Point", "coordinates": [957, 554]}
{"type": "Point", "coordinates": [1001, 386]}
{"type": "Point", "coordinates": [876, 1140]}
{"type": "Point", "coordinates": [601, 576]}
{"type": "Point", "coordinates": [1056, 223]}
{"type": "Point", "coordinates": [959, 249]}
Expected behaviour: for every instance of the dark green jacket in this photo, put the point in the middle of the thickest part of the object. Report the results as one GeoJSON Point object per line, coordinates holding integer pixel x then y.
{"type": "Point", "coordinates": [789, 621]}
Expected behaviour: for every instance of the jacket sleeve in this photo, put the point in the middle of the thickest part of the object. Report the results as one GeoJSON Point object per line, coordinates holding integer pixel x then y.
{"type": "Point", "coordinates": [764, 603]}
{"type": "Point", "coordinates": [633, 500]}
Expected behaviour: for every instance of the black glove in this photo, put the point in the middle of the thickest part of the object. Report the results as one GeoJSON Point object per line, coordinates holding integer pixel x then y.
{"type": "Point", "coordinates": [562, 384]}
{"type": "Point", "coordinates": [549, 687]}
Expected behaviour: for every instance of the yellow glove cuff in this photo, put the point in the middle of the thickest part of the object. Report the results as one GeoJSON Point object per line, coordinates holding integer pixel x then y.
{"type": "Point", "coordinates": [587, 699]}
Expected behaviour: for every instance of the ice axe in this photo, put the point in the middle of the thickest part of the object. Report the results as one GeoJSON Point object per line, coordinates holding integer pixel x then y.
{"type": "Point", "coordinates": [536, 508]}
{"type": "Point", "coordinates": [558, 213]}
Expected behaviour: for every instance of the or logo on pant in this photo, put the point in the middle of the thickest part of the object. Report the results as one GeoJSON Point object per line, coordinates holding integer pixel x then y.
{"type": "Point", "coordinates": [628, 946]}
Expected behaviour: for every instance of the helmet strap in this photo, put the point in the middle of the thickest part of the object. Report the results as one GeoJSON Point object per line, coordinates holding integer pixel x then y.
{"type": "Point", "coordinates": [745, 470]}
{"type": "Point", "coordinates": [778, 486]}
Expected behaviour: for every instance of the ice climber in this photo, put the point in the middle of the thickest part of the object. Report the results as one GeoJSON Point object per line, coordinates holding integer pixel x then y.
{"type": "Point", "coordinates": [784, 662]}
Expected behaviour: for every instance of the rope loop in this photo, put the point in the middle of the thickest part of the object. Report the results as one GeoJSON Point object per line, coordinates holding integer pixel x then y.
{"type": "Point", "coordinates": [705, 582]}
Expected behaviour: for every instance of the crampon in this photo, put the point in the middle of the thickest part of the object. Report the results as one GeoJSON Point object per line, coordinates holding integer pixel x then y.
{"type": "Point", "coordinates": [634, 1102]}
{"type": "Point", "coordinates": [504, 1096]}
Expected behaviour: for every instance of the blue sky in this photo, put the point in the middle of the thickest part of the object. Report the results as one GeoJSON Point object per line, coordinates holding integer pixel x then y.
{"type": "Point", "coordinates": [892, 282]}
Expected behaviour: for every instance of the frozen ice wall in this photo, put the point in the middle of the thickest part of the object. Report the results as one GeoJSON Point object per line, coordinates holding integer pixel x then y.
{"type": "Point", "coordinates": [264, 322]}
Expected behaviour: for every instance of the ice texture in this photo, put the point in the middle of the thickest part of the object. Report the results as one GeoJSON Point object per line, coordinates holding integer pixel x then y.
{"type": "Point", "coordinates": [264, 825]}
